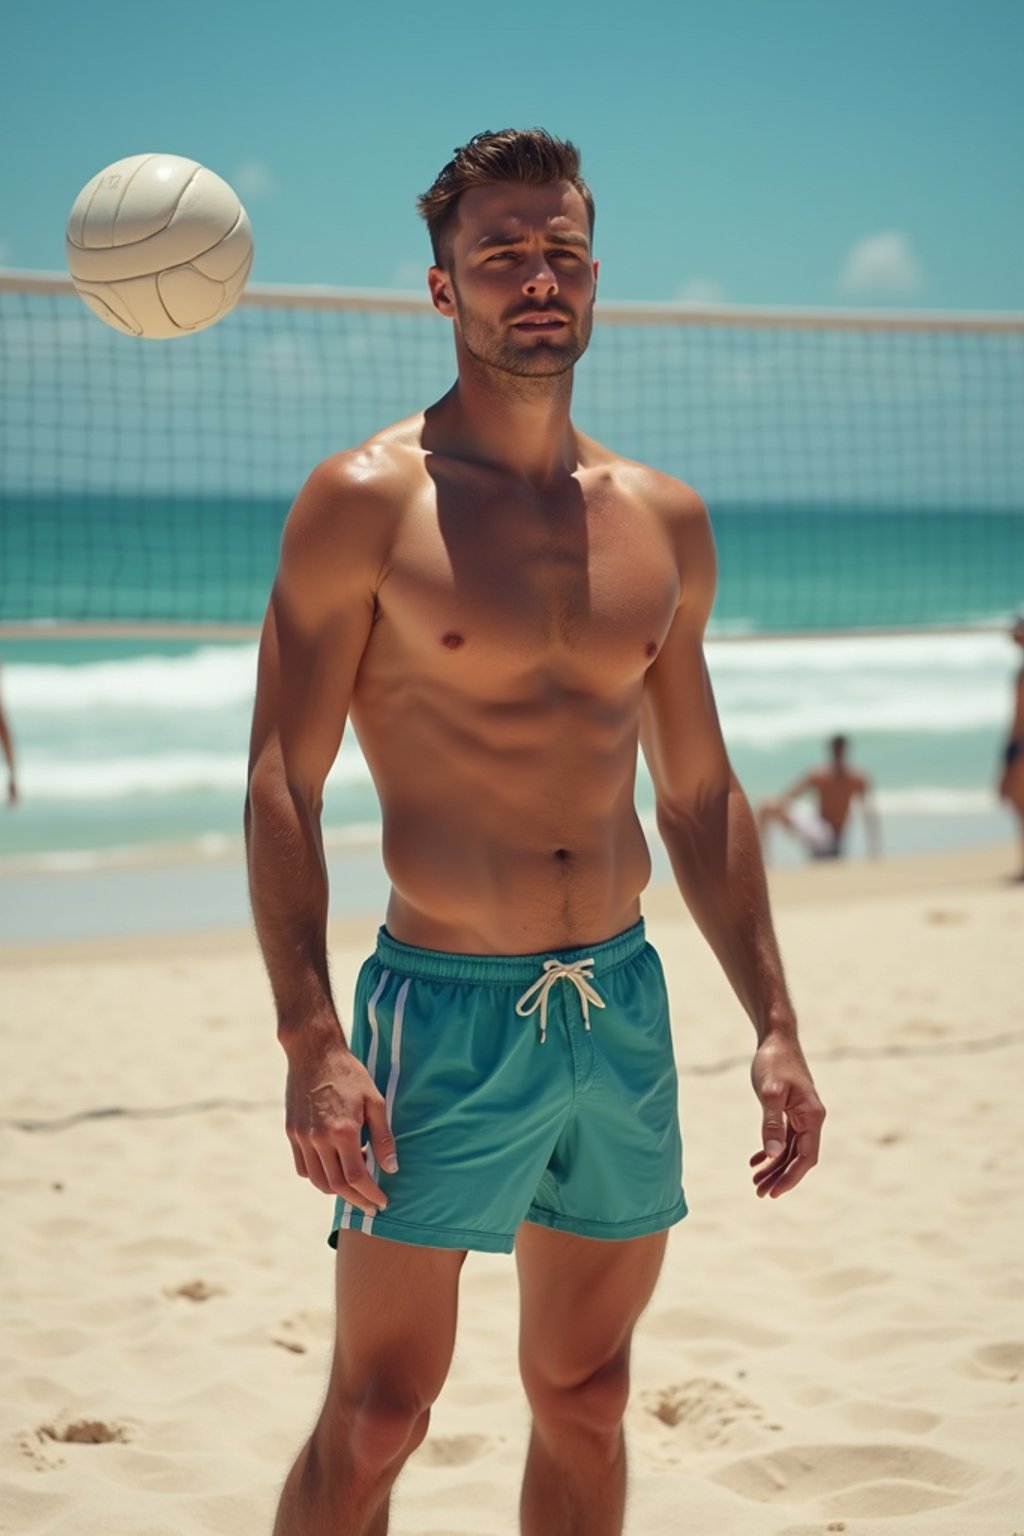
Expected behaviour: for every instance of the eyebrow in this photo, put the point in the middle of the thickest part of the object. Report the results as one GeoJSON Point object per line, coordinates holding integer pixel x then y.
{"type": "Point", "coordinates": [566, 237]}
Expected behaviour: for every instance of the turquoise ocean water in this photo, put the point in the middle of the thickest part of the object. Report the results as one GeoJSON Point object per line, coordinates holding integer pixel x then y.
{"type": "Point", "coordinates": [130, 748]}
{"type": "Point", "coordinates": [789, 567]}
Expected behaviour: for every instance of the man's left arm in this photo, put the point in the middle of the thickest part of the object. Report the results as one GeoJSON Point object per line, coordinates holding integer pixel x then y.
{"type": "Point", "coordinates": [709, 831]}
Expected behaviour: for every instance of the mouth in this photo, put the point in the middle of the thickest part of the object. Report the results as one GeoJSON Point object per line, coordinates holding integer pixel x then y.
{"type": "Point", "coordinates": [540, 320]}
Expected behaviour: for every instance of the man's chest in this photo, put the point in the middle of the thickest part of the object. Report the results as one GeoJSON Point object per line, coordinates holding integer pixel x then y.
{"type": "Point", "coordinates": [512, 585]}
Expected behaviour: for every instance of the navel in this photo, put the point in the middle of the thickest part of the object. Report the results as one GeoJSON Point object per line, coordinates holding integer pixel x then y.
{"type": "Point", "coordinates": [563, 855]}
{"type": "Point", "coordinates": [452, 640]}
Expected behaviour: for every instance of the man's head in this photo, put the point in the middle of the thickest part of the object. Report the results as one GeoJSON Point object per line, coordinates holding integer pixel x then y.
{"type": "Point", "coordinates": [510, 221]}
{"type": "Point", "coordinates": [527, 157]}
{"type": "Point", "coordinates": [837, 746]}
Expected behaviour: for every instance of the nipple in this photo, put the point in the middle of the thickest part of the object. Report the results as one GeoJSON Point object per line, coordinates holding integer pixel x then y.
{"type": "Point", "coordinates": [651, 648]}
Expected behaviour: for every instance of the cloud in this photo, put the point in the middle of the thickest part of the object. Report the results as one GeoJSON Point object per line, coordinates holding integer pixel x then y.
{"type": "Point", "coordinates": [701, 290]}
{"type": "Point", "coordinates": [253, 180]}
{"type": "Point", "coordinates": [882, 264]}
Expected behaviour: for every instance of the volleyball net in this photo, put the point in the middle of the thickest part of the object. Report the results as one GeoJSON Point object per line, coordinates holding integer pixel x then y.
{"type": "Point", "coordinates": [863, 472]}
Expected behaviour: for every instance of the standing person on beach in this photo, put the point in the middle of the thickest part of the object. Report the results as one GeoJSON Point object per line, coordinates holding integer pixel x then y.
{"type": "Point", "coordinates": [7, 746]}
{"type": "Point", "coordinates": [835, 786]}
{"type": "Point", "coordinates": [1011, 780]}
{"type": "Point", "coordinates": [506, 609]}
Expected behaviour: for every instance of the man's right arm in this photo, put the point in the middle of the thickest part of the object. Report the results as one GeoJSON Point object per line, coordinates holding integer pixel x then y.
{"type": "Point", "coordinates": [798, 788]}
{"type": "Point", "coordinates": [317, 627]}
{"type": "Point", "coordinates": [872, 821]}
{"type": "Point", "coordinates": [7, 747]}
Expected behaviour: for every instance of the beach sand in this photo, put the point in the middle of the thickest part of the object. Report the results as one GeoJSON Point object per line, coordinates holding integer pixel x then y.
{"type": "Point", "coordinates": [849, 1358]}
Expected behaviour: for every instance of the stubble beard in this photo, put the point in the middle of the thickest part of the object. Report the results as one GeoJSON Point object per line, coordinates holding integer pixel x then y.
{"type": "Point", "coordinates": [544, 357]}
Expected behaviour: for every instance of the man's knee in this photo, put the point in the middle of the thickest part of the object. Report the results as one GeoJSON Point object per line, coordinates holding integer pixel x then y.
{"type": "Point", "coordinates": [375, 1433]}
{"type": "Point", "coordinates": [592, 1405]}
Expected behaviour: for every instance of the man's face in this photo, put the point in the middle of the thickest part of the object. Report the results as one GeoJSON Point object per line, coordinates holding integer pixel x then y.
{"type": "Point", "coordinates": [520, 282]}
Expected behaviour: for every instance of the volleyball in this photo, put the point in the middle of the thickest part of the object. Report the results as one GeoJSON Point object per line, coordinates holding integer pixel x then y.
{"type": "Point", "coordinates": [158, 246]}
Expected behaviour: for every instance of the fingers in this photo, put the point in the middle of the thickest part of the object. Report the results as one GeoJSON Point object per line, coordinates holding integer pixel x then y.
{"type": "Point", "coordinates": [783, 1171]}
{"type": "Point", "coordinates": [335, 1163]}
{"type": "Point", "coordinates": [773, 1125]}
{"type": "Point", "coordinates": [381, 1139]}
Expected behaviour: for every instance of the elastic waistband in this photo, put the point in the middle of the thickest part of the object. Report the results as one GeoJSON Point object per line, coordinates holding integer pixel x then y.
{"type": "Point", "coordinates": [504, 970]}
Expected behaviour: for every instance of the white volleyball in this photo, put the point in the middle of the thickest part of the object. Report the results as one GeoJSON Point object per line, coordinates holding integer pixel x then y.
{"type": "Point", "coordinates": [158, 246]}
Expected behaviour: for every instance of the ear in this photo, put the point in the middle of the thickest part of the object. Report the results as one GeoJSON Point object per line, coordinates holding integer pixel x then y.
{"type": "Point", "coordinates": [597, 268]}
{"type": "Point", "coordinates": [441, 291]}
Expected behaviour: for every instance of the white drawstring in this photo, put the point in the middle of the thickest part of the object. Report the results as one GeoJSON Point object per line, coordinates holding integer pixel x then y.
{"type": "Point", "coordinates": [581, 978]}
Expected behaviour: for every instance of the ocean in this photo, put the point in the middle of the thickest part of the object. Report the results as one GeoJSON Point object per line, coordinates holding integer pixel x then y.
{"type": "Point", "coordinates": [138, 750]}
{"type": "Point", "coordinates": [134, 751]}
{"type": "Point", "coordinates": [787, 567]}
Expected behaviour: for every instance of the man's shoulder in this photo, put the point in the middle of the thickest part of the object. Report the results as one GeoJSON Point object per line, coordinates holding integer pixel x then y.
{"type": "Point", "coordinates": [366, 487]}
{"type": "Point", "coordinates": [348, 511]}
{"type": "Point", "coordinates": [663, 493]}
{"type": "Point", "coordinates": [379, 470]}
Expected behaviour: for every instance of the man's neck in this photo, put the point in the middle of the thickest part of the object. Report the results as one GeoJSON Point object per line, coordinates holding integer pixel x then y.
{"type": "Point", "coordinates": [519, 425]}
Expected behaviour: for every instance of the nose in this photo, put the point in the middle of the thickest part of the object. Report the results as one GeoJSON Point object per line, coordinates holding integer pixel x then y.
{"type": "Point", "coordinates": [542, 281]}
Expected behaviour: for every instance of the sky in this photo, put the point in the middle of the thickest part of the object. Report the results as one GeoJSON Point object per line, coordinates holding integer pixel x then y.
{"type": "Point", "coordinates": [765, 152]}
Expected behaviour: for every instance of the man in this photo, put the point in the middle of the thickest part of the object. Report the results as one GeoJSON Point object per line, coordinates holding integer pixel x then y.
{"type": "Point", "coordinates": [1011, 780]}
{"type": "Point", "coordinates": [503, 606]}
{"type": "Point", "coordinates": [835, 787]}
{"type": "Point", "coordinates": [7, 747]}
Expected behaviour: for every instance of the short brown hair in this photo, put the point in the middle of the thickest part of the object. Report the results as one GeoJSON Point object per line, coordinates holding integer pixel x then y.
{"type": "Point", "coordinates": [527, 156]}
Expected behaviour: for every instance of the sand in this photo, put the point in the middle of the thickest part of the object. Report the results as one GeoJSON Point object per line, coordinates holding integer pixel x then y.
{"type": "Point", "coordinates": [849, 1358]}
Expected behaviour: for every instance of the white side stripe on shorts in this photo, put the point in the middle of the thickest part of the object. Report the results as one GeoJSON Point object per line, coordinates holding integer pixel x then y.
{"type": "Point", "coordinates": [393, 1075]}
{"type": "Point", "coordinates": [371, 1067]}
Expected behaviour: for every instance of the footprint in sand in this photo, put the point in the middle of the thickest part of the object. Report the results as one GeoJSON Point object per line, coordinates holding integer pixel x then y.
{"type": "Point", "coordinates": [303, 1332]}
{"type": "Point", "coordinates": [872, 1481]}
{"type": "Point", "coordinates": [456, 1450]}
{"type": "Point", "coordinates": [701, 1413]}
{"type": "Point", "coordinates": [85, 1432]}
{"type": "Point", "coordinates": [40, 1444]}
{"type": "Point", "coordinates": [195, 1290]}
{"type": "Point", "coordinates": [996, 1362]}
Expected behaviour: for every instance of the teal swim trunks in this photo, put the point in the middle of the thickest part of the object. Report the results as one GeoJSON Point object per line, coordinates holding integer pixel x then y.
{"type": "Point", "coordinates": [519, 1088]}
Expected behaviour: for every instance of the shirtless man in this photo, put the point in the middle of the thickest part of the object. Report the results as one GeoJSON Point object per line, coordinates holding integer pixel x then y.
{"type": "Point", "coordinates": [836, 786]}
{"type": "Point", "coordinates": [504, 607]}
{"type": "Point", "coordinates": [7, 747]}
{"type": "Point", "coordinates": [1011, 780]}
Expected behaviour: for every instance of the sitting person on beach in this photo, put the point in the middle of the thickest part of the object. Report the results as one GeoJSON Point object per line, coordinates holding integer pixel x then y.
{"type": "Point", "coordinates": [820, 827]}
{"type": "Point", "coordinates": [1011, 780]}
{"type": "Point", "coordinates": [506, 610]}
{"type": "Point", "coordinates": [7, 746]}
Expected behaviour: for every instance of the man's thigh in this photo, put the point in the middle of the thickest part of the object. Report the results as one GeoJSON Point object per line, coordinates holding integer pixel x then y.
{"type": "Point", "coordinates": [580, 1299]}
{"type": "Point", "coordinates": [397, 1305]}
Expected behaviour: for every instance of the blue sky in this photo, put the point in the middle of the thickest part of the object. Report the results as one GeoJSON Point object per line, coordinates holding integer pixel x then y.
{"type": "Point", "coordinates": [750, 151]}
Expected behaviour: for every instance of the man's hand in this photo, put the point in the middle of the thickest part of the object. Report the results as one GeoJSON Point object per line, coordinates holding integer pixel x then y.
{"type": "Point", "coordinates": [329, 1098]}
{"type": "Point", "coordinates": [793, 1115]}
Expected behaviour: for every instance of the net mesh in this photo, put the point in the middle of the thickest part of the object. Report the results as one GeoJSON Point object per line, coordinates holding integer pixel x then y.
{"type": "Point", "coordinates": [859, 474]}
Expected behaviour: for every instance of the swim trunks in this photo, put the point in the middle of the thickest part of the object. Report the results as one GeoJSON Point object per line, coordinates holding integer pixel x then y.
{"type": "Point", "coordinates": [535, 1088]}
{"type": "Point", "coordinates": [819, 836]}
